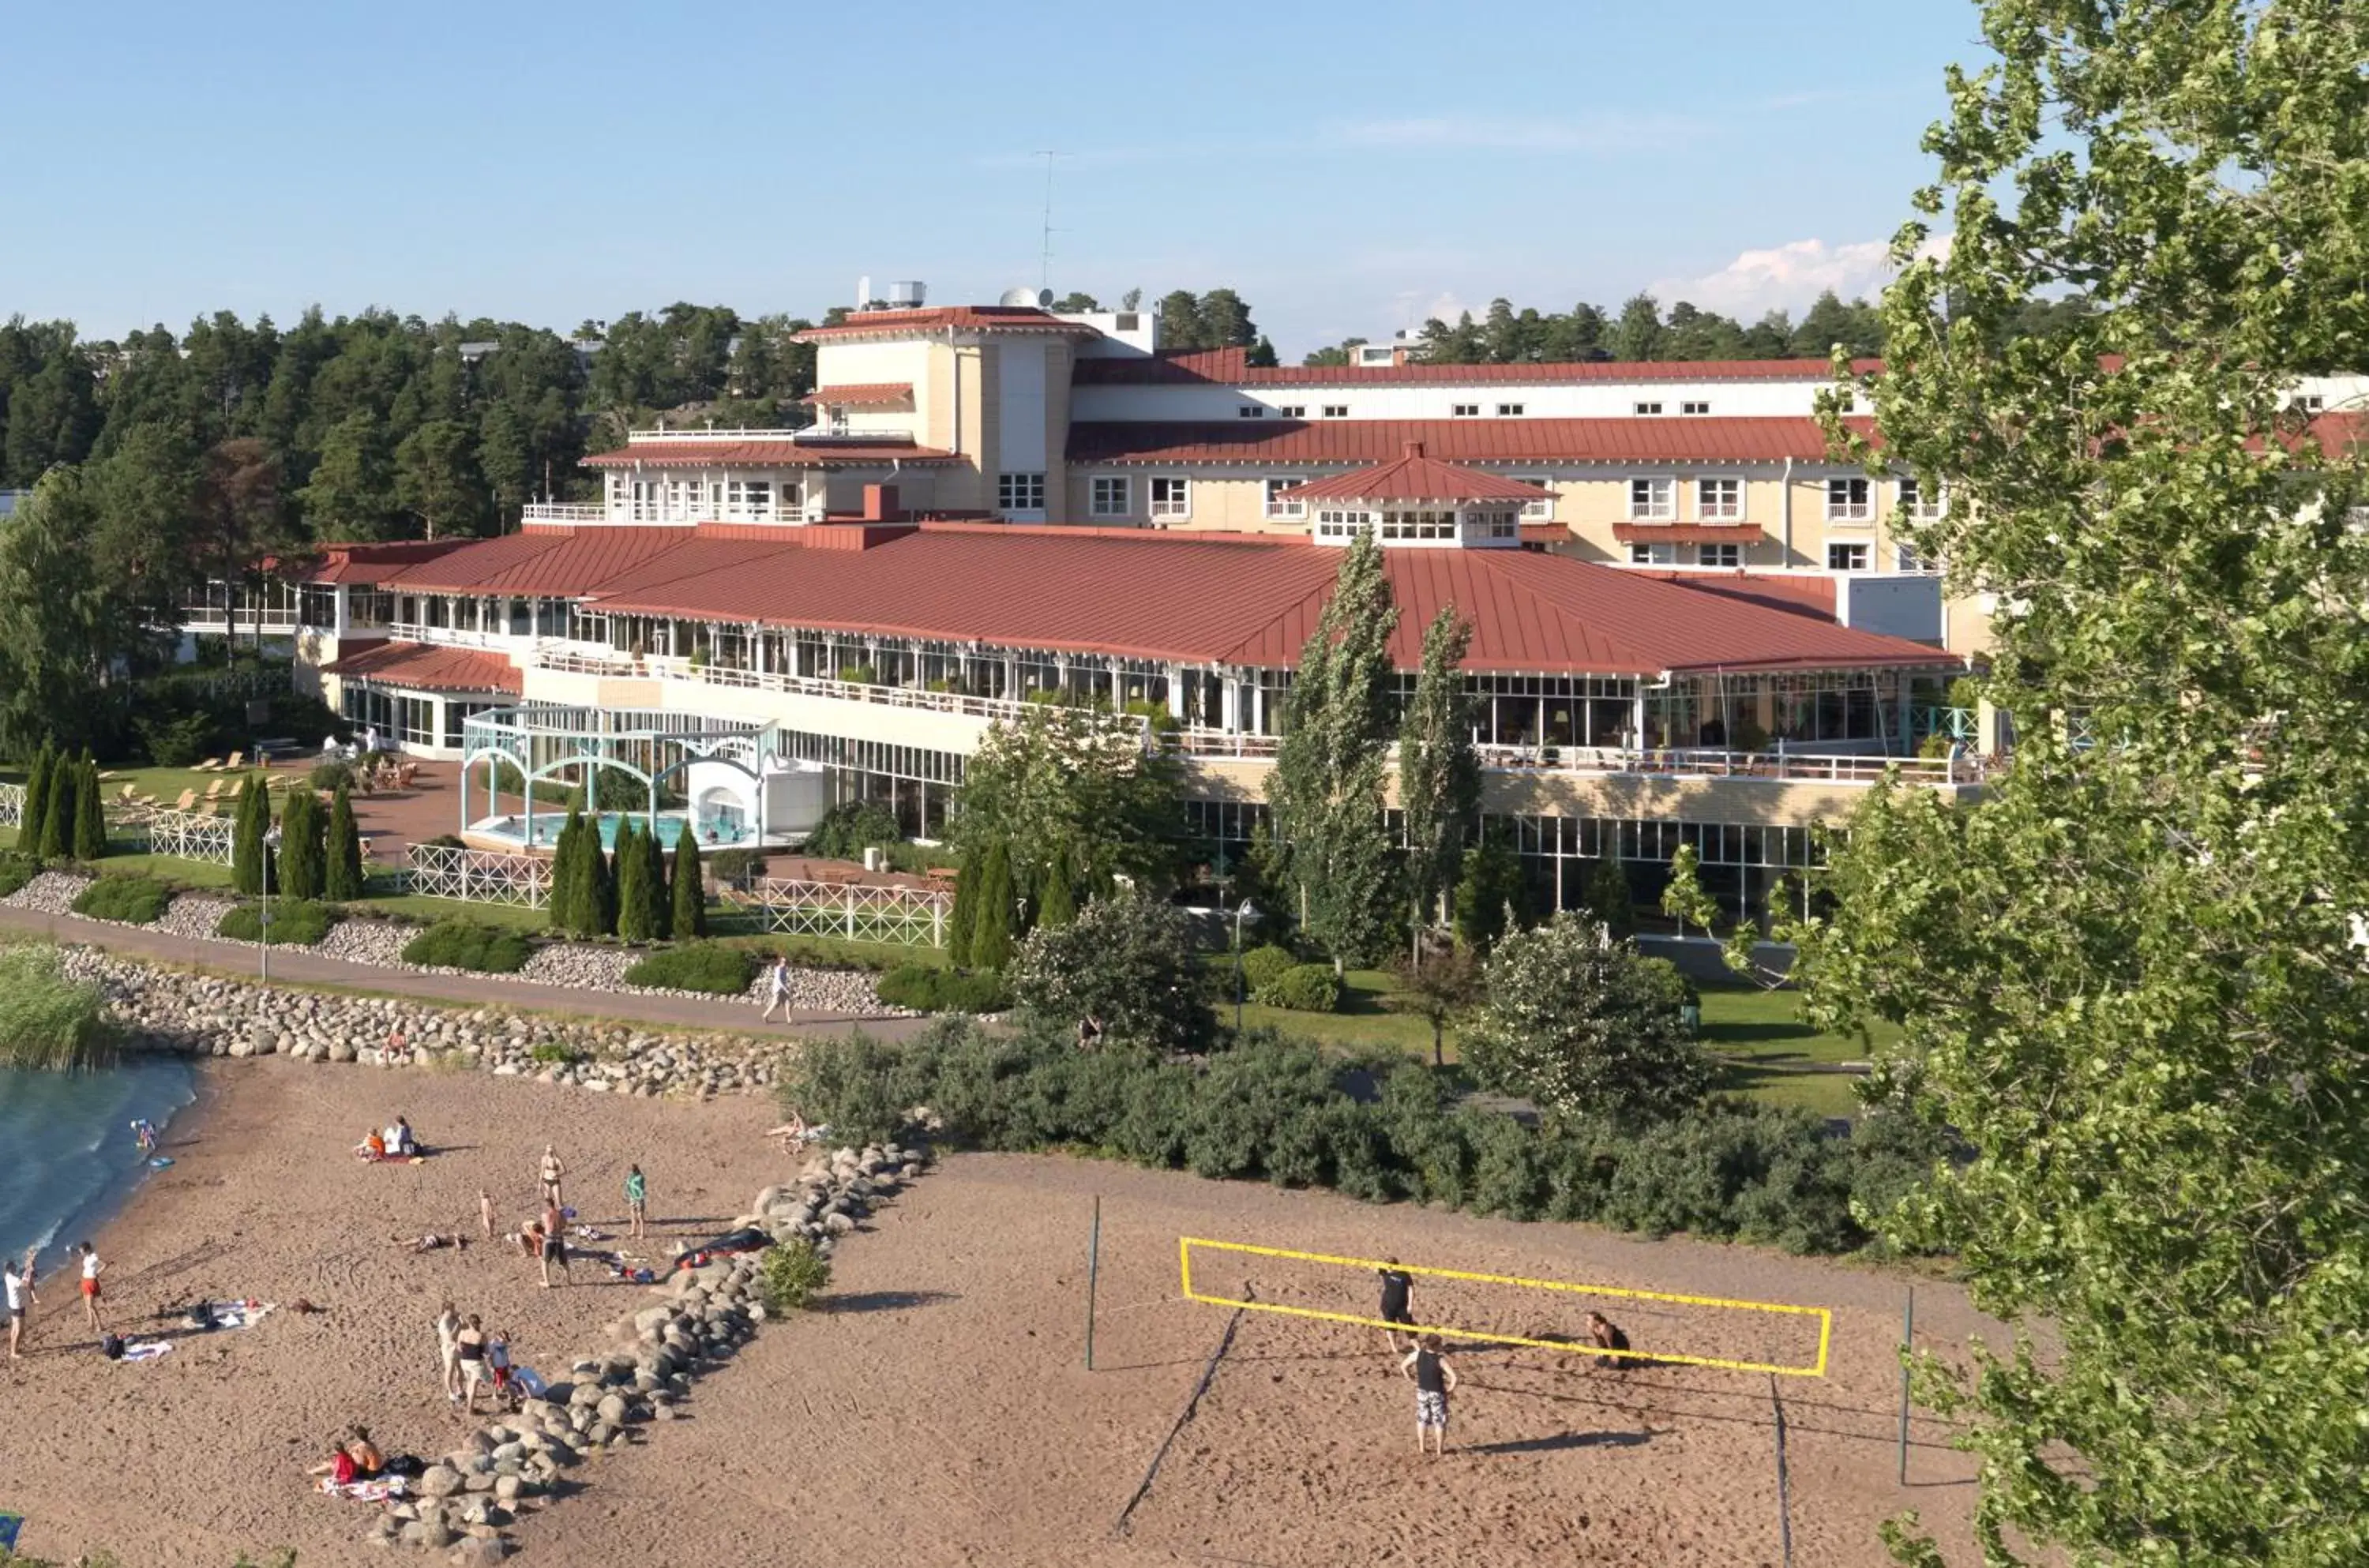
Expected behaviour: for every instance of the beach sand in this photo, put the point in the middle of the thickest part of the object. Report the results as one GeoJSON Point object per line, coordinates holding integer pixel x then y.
{"type": "Point", "coordinates": [940, 1412]}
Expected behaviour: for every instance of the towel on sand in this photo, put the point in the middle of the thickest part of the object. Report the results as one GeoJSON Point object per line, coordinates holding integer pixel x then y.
{"type": "Point", "coordinates": [146, 1349]}
{"type": "Point", "coordinates": [364, 1490]}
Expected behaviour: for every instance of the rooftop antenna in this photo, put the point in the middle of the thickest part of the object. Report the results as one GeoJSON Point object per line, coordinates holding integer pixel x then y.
{"type": "Point", "coordinates": [1046, 278]}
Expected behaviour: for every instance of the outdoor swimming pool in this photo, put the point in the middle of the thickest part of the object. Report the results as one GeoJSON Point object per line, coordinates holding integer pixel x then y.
{"type": "Point", "coordinates": [716, 830]}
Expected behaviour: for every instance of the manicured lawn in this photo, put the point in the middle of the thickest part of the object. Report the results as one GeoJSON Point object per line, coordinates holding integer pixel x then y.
{"type": "Point", "coordinates": [428, 911]}
{"type": "Point", "coordinates": [829, 950]}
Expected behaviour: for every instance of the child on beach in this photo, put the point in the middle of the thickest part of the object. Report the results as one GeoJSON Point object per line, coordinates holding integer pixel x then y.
{"type": "Point", "coordinates": [16, 1280]}
{"type": "Point", "coordinates": [373, 1146]}
{"type": "Point", "coordinates": [144, 1133]}
{"type": "Point", "coordinates": [485, 1213]}
{"type": "Point", "coordinates": [498, 1361]}
{"type": "Point", "coordinates": [637, 1196]}
{"type": "Point", "coordinates": [91, 1269]}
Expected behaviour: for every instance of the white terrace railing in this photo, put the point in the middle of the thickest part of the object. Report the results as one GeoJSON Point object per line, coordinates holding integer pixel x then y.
{"type": "Point", "coordinates": [671, 668]}
{"type": "Point", "coordinates": [482, 876]}
{"type": "Point", "coordinates": [857, 911]}
{"type": "Point", "coordinates": [1792, 767]}
{"type": "Point", "coordinates": [563, 512]}
{"type": "Point", "coordinates": [12, 806]}
{"type": "Point", "coordinates": [452, 637]}
{"type": "Point", "coordinates": [189, 835]}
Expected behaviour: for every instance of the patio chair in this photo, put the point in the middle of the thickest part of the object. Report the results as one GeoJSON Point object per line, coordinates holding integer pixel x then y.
{"type": "Point", "coordinates": [208, 808]}
{"type": "Point", "coordinates": [127, 794]}
{"type": "Point", "coordinates": [210, 765]}
{"type": "Point", "coordinates": [238, 760]}
{"type": "Point", "coordinates": [189, 799]}
{"type": "Point", "coordinates": [214, 790]}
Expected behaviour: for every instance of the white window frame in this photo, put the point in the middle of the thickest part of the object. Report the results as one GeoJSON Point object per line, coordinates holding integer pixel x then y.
{"type": "Point", "coordinates": [1464, 410]}
{"type": "Point", "coordinates": [1511, 411]}
{"type": "Point", "coordinates": [1177, 500]}
{"type": "Point", "coordinates": [1645, 410]}
{"type": "Point", "coordinates": [1293, 411]}
{"type": "Point", "coordinates": [1846, 509]}
{"type": "Point", "coordinates": [1723, 556]}
{"type": "Point", "coordinates": [1908, 502]}
{"type": "Point", "coordinates": [1110, 495]}
{"type": "Point", "coordinates": [1281, 510]}
{"type": "Point", "coordinates": [1841, 554]}
{"type": "Point", "coordinates": [1641, 554]}
{"type": "Point", "coordinates": [1539, 511]}
{"type": "Point", "coordinates": [1012, 490]}
{"type": "Point", "coordinates": [1708, 510]}
{"type": "Point", "coordinates": [1652, 499]}
{"type": "Point", "coordinates": [1250, 411]}
{"type": "Point", "coordinates": [1335, 410]}
{"type": "Point", "coordinates": [1695, 406]}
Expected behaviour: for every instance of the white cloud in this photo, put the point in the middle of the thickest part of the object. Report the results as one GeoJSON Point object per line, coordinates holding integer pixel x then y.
{"type": "Point", "coordinates": [1596, 133]}
{"type": "Point", "coordinates": [1785, 277]}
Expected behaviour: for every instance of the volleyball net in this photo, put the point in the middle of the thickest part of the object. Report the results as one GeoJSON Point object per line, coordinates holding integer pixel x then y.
{"type": "Point", "coordinates": [1663, 1328]}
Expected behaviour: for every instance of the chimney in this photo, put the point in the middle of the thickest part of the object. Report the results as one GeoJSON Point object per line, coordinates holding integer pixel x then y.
{"type": "Point", "coordinates": [1410, 449]}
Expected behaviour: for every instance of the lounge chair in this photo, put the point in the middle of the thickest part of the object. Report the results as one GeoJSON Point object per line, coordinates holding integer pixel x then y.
{"type": "Point", "coordinates": [405, 773]}
{"type": "Point", "coordinates": [128, 795]}
{"type": "Point", "coordinates": [238, 760]}
{"type": "Point", "coordinates": [214, 790]}
{"type": "Point", "coordinates": [208, 808]}
{"type": "Point", "coordinates": [210, 765]}
{"type": "Point", "coordinates": [189, 799]}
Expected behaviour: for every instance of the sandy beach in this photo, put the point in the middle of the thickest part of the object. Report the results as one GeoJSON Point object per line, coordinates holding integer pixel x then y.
{"type": "Point", "coordinates": [941, 1411]}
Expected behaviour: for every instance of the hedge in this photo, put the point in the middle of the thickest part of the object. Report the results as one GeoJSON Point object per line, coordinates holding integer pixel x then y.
{"type": "Point", "coordinates": [16, 870]}
{"type": "Point", "coordinates": [1282, 1110]}
{"type": "Point", "coordinates": [1303, 988]}
{"type": "Point", "coordinates": [927, 989]}
{"type": "Point", "coordinates": [469, 945]}
{"type": "Point", "coordinates": [131, 899]}
{"type": "Point", "coordinates": [695, 965]}
{"type": "Point", "coordinates": [1263, 966]}
{"type": "Point", "coordinates": [295, 922]}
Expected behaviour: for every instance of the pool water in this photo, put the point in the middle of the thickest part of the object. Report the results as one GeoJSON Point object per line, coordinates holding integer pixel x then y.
{"type": "Point", "coordinates": [721, 831]}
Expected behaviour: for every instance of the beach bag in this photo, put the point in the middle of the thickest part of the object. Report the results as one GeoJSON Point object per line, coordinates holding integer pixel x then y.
{"type": "Point", "coordinates": [409, 1466]}
{"type": "Point", "coordinates": [111, 1346]}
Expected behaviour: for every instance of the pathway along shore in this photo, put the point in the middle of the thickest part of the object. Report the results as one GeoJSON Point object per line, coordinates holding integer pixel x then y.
{"type": "Point", "coordinates": [296, 968]}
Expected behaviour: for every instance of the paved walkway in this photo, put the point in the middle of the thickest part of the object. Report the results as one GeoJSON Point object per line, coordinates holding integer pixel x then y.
{"type": "Point", "coordinates": [303, 969]}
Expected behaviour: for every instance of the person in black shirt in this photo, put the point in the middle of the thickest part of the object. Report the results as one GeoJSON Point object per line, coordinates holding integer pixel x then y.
{"type": "Point", "coordinates": [1606, 1335]}
{"type": "Point", "coordinates": [1398, 1302]}
{"type": "Point", "coordinates": [1427, 1367]}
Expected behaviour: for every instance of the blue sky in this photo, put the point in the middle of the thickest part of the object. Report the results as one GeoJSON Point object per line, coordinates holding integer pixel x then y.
{"type": "Point", "coordinates": [1350, 166]}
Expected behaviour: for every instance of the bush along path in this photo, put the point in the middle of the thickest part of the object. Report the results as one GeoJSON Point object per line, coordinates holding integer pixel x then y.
{"type": "Point", "coordinates": [615, 1397]}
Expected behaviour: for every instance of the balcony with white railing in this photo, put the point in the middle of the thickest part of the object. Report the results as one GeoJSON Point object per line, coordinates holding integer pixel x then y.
{"type": "Point", "coordinates": [966, 704]}
{"type": "Point", "coordinates": [563, 512]}
{"type": "Point", "coordinates": [455, 637]}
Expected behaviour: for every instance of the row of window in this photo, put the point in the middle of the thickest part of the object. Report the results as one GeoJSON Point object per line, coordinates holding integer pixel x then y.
{"type": "Point", "coordinates": [1849, 499]}
{"type": "Point", "coordinates": [1645, 409]}
{"type": "Point", "coordinates": [1839, 557]}
{"type": "Point", "coordinates": [1414, 525]}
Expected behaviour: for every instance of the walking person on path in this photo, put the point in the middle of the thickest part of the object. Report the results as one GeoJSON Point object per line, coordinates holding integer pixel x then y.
{"type": "Point", "coordinates": [777, 991]}
{"type": "Point", "coordinates": [448, 1334]}
{"type": "Point", "coordinates": [91, 1269]}
{"type": "Point", "coordinates": [549, 1174]}
{"type": "Point", "coordinates": [1398, 1303]}
{"type": "Point", "coordinates": [1427, 1367]}
{"type": "Point", "coordinates": [637, 1197]}
{"type": "Point", "coordinates": [16, 1280]}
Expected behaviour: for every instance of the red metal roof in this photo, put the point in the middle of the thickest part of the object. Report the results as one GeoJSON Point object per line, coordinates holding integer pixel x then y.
{"type": "Point", "coordinates": [862, 394]}
{"type": "Point", "coordinates": [1231, 367]}
{"type": "Point", "coordinates": [371, 562]}
{"type": "Point", "coordinates": [869, 452]}
{"type": "Point", "coordinates": [1411, 476]}
{"type": "Point", "coordinates": [1220, 598]}
{"type": "Point", "coordinates": [423, 668]}
{"type": "Point", "coordinates": [547, 561]}
{"type": "Point", "coordinates": [965, 318]}
{"type": "Point", "coordinates": [1682, 440]}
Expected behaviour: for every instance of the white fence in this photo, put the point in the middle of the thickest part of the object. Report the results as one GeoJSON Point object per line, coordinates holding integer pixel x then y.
{"type": "Point", "coordinates": [12, 806]}
{"type": "Point", "coordinates": [187, 835]}
{"type": "Point", "coordinates": [909, 917]}
{"type": "Point", "coordinates": [441, 871]}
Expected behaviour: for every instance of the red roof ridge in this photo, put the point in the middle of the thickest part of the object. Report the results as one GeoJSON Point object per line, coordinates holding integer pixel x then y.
{"type": "Point", "coordinates": [1231, 367]}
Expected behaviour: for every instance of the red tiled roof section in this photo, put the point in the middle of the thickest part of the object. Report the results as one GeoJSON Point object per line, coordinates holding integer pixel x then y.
{"type": "Point", "coordinates": [744, 453]}
{"type": "Point", "coordinates": [363, 563]}
{"type": "Point", "coordinates": [423, 668]}
{"type": "Point", "coordinates": [863, 394]}
{"type": "Point", "coordinates": [1682, 440]}
{"type": "Point", "coordinates": [963, 318]}
{"type": "Point", "coordinates": [1232, 367]}
{"type": "Point", "coordinates": [554, 562]}
{"type": "Point", "coordinates": [1411, 476]}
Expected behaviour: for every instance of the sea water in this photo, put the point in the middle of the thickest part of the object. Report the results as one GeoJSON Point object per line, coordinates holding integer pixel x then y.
{"type": "Point", "coordinates": [67, 1156]}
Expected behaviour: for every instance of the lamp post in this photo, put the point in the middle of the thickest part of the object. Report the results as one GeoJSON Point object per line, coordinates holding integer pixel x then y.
{"type": "Point", "coordinates": [1242, 911]}
{"type": "Point", "coordinates": [263, 922]}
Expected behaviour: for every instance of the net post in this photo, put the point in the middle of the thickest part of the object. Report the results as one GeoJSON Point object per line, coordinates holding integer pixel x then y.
{"type": "Point", "coordinates": [1093, 1269]}
{"type": "Point", "coordinates": [1907, 1345]}
{"type": "Point", "coordinates": [1784, 1509]}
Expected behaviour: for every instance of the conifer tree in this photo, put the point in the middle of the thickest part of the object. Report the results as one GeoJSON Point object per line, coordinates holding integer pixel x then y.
{"type": "Point", "coordinates": [1439, 772]}
{"type": "Point", "coordinates": [300, 846]}
{"type": "Point", "coordinates": [995, 922]}
{"type": "Point", "coordinates": [90, 815]}
{"type": "Point", "coordinates": [689, 891]}
{"type": "Point", "coordinates": [658, 909]}
{"type": "Point", "coordinates": [633, 906]}
{"type": "Point", "coordinates": [600, 894]}
{"type": "Point", "coordinates": [37, 793]}
{"type": "Point", "coordinates": [566, 867]}
{"type": "Point", "coordinates": [246, 838]}
{"type": "Point", "coordinates": [1056, 898]}
{"type": "Point", "coordinates": [56, 840]}
{"type": "Point", "coordinates": [964, 914]}
{"type": "Point", "coordinates": [342, 874]}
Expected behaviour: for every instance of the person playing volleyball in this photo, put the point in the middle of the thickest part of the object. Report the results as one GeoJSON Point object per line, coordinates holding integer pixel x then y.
{"type": "Point", "coordinates": [1427, 1367]}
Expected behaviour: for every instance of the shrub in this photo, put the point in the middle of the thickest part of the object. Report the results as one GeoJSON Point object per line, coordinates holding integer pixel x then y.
{"type": "Point", "coordinates": [295, 922]}
{"type": "Point", "coordinates": [550, 1053]}
{"type": "Point", "coordinates": [1303, 988]}
{"type": "Point", "coordinates": [16, 870]}
{"type": "Point", "coordinates": [791, 1275]}
{"type": "Point", "coordinates": [697, 966]}
{"type": "Point", "coordinates": [846, 831]}
{"type": "Point", "coordinates": [1262, 965]}
{"type": "Point", "coordinates": [176, 741]}
{"type": "Point", "coordinates": [48, 1020]}
{"type": "Point", "coordinates": [330, 775]}
{"type": "Point", "coordinates": [1128, 961]}
{"type": "Point", "coordinates": [469, 945]}
{"type": "Point", "coordinates": [927, 989]}
{"type": "Point", "coordinates": [736, 868]}
{"type": "Point", "coordinates": [133, 899]}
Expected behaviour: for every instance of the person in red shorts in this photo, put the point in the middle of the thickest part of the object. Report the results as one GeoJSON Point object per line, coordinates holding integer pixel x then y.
{"type": "Point", "coordinates": [91, 1269]}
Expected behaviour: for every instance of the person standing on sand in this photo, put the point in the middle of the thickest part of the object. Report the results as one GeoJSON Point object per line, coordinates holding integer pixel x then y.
{"type": "Point", "coordinates": [448, 1334]}
{"type": "Point", "coordinates": [1398, 1303]}
{"type": "Point", "coordinates": [549, 1174]}
{"type": "Point", "coordinates": [777, 991]}
{"type": "Point", "coordinates": [1427, 1367]}
{"type": "Point", "coordinates": [637, 1199]}
{"type": "Point", "coordinates": [91, 1269]}
{"type": "Point", "coordinates": [17, 1281]}
{"type": "Point", "coordinates": [470, 1344]}
{"type": "Point", "coordinates": [485, 1213]}
{"type": "Point", "coordinates": [554, 1246]}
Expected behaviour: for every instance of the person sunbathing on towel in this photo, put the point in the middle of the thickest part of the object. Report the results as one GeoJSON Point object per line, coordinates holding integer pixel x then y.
{"type": "Point", "coordinates": [430, 1242]}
